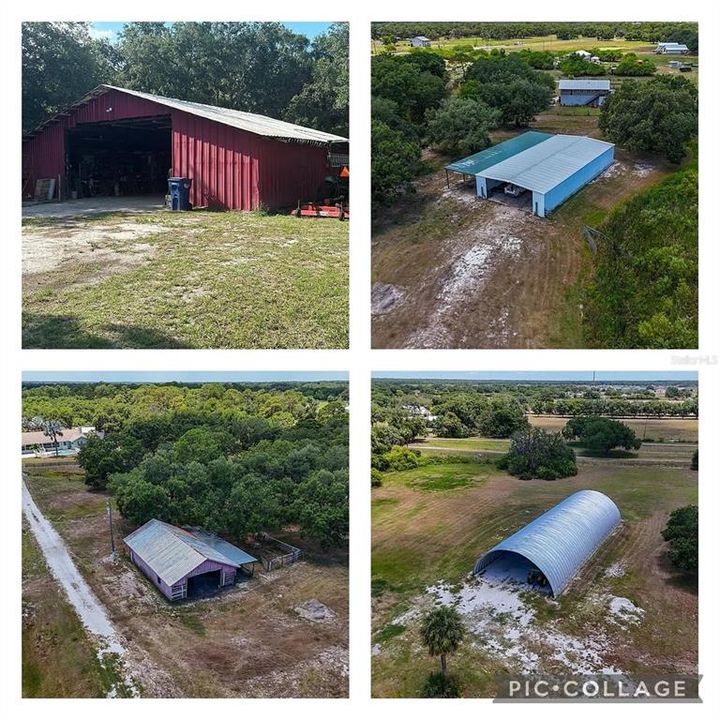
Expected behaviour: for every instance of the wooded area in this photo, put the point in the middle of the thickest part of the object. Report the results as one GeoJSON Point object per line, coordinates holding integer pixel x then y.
{"type": "Point", "coordinates": [234, 459]}
{"type": "Point", "coordinates": [260, 67]}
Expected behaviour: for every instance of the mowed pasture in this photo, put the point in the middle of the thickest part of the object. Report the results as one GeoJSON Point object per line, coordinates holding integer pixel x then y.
{"type": "Point", "coordinates": [245, 642]}
{"type": "Point", "coordinates": [184, 280]}
{"type": "Point", "coordinates": [428, 531]}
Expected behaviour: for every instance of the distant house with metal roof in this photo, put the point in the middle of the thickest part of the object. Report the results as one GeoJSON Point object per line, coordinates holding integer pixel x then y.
{"type": "Point", "coordinates": [116, 141]}
{"type": "Point", "coordinates": [184, 562]}
{"type": "Point", "coordinates": [537, 170]}
{"type": "Point", "coordinates": [420, 41]}
{"type": "Point", "coordinates": [558, 543]}
{"type": "Point", "coordinates": [671, 48]}
{"type": "Point", "coordinates": [583, 91]}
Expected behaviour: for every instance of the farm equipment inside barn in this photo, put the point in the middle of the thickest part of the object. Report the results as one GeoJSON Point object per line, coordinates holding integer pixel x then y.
{"type": "Point", "coordinates": [331, 199]}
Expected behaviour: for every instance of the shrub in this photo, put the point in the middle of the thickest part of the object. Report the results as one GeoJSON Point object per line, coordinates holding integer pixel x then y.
{"type": "Point", "coordinates": [536, 454]}
{"type": "Point", "coordinates": [681, 533]}
{"type": "Point", "coordinates": [601, 434]}
{"type": "Point", "coordinates": [439, 685]}
{"type": "Point", "coordinates": [376, 478]}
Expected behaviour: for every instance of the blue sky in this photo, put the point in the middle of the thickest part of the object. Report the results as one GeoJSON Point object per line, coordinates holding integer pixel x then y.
{"type": "Point", "coordinates": [110, 30]}
{"type": "Point", "coordinates": [561, 376]}
{"type": "Point", "coordinates": [185, 377]}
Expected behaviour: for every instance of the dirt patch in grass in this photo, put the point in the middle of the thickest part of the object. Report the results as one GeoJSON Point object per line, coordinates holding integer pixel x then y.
{"type": "Point", "coordinates": [201, 279]}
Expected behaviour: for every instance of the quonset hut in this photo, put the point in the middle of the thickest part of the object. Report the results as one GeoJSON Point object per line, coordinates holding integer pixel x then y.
{"type": "Point", "coordinates": [116, 141]}
{"type": "Point", "coordinates": [183, 562]}
{"type": "Point", "coordinates": [561, 540]}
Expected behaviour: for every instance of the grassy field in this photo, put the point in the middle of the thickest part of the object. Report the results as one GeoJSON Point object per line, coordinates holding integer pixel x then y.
{"type": "Point", "coordinates": [421, 538]}
{"type": "Point", "coordinates": [195, 280]}
{"type": "Point", "coordinates": [245, 642]}
{"type": "Point", "coordinates": [58, 658]}
{"type": "Point", "coordinates": [548, 42]}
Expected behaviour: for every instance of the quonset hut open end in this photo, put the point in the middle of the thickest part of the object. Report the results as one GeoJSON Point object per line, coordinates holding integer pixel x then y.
{"type": "Point", "coordinates": [561, 540]}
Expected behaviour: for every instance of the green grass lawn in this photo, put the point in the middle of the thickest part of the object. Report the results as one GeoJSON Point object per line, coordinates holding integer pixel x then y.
{"type": "Point", "coordinates": [203, 280]}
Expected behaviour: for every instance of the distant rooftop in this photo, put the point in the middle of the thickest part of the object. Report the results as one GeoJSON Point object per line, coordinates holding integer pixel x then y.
{"type": "Point", "coordinates": [584, 84]}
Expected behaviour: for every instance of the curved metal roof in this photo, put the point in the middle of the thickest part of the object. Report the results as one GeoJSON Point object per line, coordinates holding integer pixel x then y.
{"type": "Point", "coordinates": [562, 540]}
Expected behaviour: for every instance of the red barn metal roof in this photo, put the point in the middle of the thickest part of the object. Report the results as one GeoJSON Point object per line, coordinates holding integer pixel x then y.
{"type": "Point", "coordinates": [250, 122]}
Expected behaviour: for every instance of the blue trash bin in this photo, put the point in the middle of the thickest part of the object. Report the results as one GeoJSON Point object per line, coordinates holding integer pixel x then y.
{"type": "Point", "coordinates": [179, 191]}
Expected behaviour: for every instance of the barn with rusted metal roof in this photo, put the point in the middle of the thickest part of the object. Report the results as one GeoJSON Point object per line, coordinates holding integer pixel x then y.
{"type": "Point", "coordinates": [117, 142]}
{"type": "Point", "coordinates": [186, 562]}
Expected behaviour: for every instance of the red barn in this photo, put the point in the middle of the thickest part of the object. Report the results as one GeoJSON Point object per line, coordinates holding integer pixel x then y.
{"type": "Point", "coordinates": [124, 142]}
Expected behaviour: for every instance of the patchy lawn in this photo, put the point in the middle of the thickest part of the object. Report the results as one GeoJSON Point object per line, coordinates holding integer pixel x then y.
{"type": "Point", "coordinates": [614, 616]}
{"type": "Point", "coordinates": [184, 280]}
{"type": "Point", "coordinates": [248, 641]}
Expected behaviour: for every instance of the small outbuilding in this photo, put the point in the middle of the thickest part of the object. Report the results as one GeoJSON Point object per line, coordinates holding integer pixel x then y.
{"type": "Point", "coordinates": [554, 547]}
{"type": "Point", "coordinates": [671, 48]}
{"type": "Point", "coordinates": [420, 41]}
{"type": "Point", "coordinates": [583, 92]}
{"type": "Point", "coordinates": [186, 562]}
{"type": "Point", "coordinates": [116, 141]}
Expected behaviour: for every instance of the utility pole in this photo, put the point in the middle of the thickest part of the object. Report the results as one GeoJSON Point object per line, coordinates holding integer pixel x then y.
{"type": "Point", "coordinates": [112, 536]}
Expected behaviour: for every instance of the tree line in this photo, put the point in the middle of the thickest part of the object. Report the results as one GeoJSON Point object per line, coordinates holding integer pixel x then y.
{"type": "Point", "coordinates": [260, 67]}
{"type": "Point", "coordinates": [234, 462]}
{"type": "Point", "coordinates": [651, 32]}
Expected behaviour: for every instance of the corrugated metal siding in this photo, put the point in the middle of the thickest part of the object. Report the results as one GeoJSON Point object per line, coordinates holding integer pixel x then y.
{"type": "Point", "coordinates": [221, 161]}
{"type": "Point", "coordinates": [289, 172]}
{"type": "Point", "coordinates": [560, 193]}
{"type": "Point", "coordinates": [562, 540]}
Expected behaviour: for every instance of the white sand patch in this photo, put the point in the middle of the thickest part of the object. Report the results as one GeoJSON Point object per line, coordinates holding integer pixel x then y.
{"type": "Point", "coordinates": [625, 612]}
{"type": "Point", "coordinates": [501, 619]}
{"type": "Point", "coordinates": [616, 569]}
{"type": "Point", "coordinates": [642, 169]}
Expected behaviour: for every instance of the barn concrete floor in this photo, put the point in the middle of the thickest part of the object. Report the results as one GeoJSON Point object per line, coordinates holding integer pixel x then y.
{"type": "Point", "coordinates": [93, 206]}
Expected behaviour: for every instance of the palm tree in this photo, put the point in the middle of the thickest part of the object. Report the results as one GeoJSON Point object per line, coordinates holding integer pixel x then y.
{"type": "Point", "coordinates": [442, 632]}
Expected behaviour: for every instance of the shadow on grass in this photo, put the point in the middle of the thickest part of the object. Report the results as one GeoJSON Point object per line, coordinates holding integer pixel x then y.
{"type": "Point", "coordinates": [65, 332]}
{"type": "Point", "coordinates": [678, 579]}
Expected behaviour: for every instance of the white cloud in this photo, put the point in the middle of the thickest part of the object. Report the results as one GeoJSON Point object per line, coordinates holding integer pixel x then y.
{"type": "Point", "coordinates": [97, 34]}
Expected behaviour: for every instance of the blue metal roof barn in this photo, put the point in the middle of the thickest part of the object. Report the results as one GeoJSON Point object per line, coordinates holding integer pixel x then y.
{"type": "Point", "coordinates": [552, 170]}
{"type": "Point", "coordinates": [561, 540]}
{"type": "Point", "coordinates": [491, 156]}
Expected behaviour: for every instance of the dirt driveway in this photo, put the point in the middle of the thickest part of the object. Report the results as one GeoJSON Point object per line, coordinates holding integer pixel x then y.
{"type": "Point", "coordinates": [453, 271]}
{"type": "Point", "coordinates": [93, 206]}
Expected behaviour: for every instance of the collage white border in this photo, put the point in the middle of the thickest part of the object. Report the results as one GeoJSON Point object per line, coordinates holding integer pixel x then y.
{"type": "Point", "coordinates": [359, 360]}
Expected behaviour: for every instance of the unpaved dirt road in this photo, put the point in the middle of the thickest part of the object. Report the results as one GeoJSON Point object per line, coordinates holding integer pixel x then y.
{"type": "Point", "coordinates": [91, 613]}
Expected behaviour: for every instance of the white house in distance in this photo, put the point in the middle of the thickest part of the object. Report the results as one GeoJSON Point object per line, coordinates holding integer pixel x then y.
{"type": "Point", "coordinates": [38, 444]}
{"type": "Point", "coordinates": [420, 41]}
{"type": "Point", "coordinates": [671, 48]}
{"type": "Point", "coordinates": [582, 53]}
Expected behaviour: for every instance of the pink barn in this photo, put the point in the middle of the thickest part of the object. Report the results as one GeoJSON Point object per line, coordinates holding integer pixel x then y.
{"type": "Point", "coordinates": [184, 563]}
